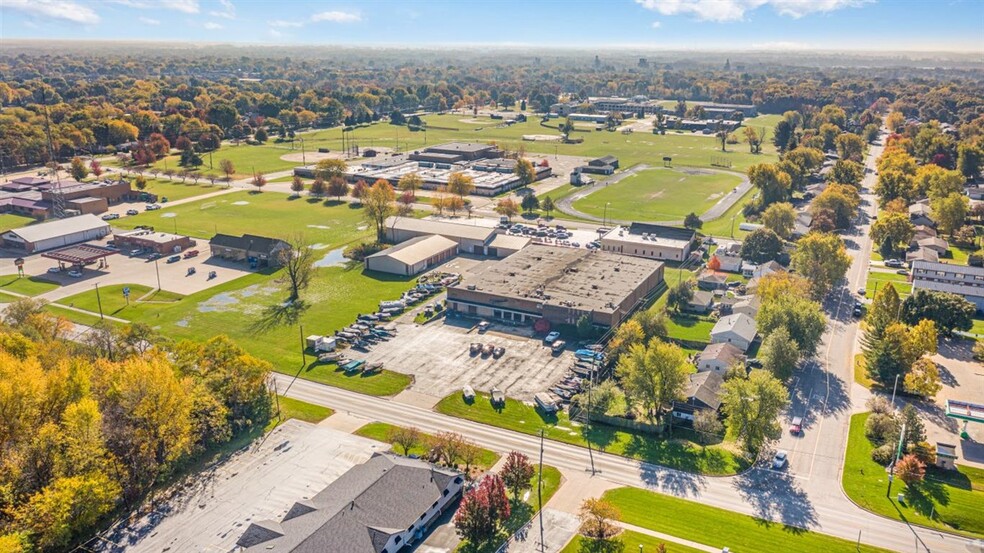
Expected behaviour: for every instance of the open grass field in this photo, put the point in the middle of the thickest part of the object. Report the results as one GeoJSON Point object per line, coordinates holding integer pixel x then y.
{"type": "Point", "coordinates": [12, 220]}
{"type": "Point", "coordinates": [685, 148]}
{"type": "Point", "coordinates": [681, 454]}
{"type": "Point", "coordinates": [719, 528]}
{"type": "Point", "coordinates": [684, 326]}
{"type": "Point", "coordinates": [380, 431]}
{"type": "Point", "coordinates": [727, 224]}
{"type": "Point", "coordinates": [878, 279]}
{"type": "Point", "coordinates": [948, 500]}
{"type": "Point", "coordinates": [113, 301]}
{"type": "Point", "coordinates": [266, 214]}
{"type": "Point", "coordinates": [658, 195]}
{"type": "Point", "coordinates": [177, 190]}
{"type": "Point", "coordinates": [29, 285]}
{"type": "Point", "coordinates": [291, 408]}
{"type": "Point", "coordinates": [263, 158]}
{"type": "Point", "coordinates": [631, 541]}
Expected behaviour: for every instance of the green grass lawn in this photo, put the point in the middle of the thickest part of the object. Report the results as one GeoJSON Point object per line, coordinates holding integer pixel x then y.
{"type": "Point", "coordinates": [684, 326]}
{"type": "Point", "coordinates": [685, 148]}
{"type": "Point", "coordinates": [954, 498]}
{"type": "Point", "coordinates": [631, 542]}
{"type": "Point", "coordinates": [264, 158]}
{"type": "Point", "coordinates": [74, 316]}
{"type": "Point", "coordinates": [959, 256]}
{"type": "Point", "coordinates": [719, 528]}
{"type": "Point", "coordinates": [723, 225]}
{"type": "Point", "coordinates": [658, 195]}
{"type": "Point", "coordinates": [176, 190]}
{"type": "Point", "coordinates": [380, 431]}
{"type": "Point", "coordinates": [681, 454]}
{"type": "Point", "coordinates": [877, 280]}
{"type": "Point", "coordinates": [325, 224]}
{"type": "Point", "coordinates": [29, 286]}
{"type": "Point", "coordinates": [978, 327]}
{"type": "Point", "coordinates": [291, 408]}
{"type": "Point", "coordinates": [12, 220]}
{"type": "Point", "coordinates": [112, 299]}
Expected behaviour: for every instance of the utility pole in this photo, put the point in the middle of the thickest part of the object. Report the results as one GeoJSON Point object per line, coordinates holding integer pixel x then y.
{"type": "Point", "coordinates": [539, 493]}
{"type": "Point", "coordinates": [303, 346]}
{"type": "Point", "coordinates": [894, 387]}
{"type": "Point", "coordinates": [898, 451]}
{"type": "Point", "coordinates": [587, 416]}
{"type": "Point", "coordinates": [158, 271]}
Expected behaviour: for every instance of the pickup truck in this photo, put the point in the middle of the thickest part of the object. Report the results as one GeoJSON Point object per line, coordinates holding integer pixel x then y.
{"type": "Point", "coordinates": [191, 253]}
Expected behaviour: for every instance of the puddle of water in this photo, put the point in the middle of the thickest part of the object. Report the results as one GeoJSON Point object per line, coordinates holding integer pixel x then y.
{"type": "Point", "coordinates": [323, 227]}
{"type": "Point", "coordinates": [240, 202]}
{"type": "Point", "coordinates": [319, 246]}
{"type": "Point", "coordinates": [183, 323]}
{"type": "Point", "coordinates": [334, 258]}
{"type": "Point", "coordinates": [168, 215]}
{"type": "Point", "coordinates": [218, 302]}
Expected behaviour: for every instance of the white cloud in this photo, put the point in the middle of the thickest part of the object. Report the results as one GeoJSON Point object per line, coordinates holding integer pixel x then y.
{"type": "Point", "coordinates": [735, 10]}
{"type": "Point", "coordinates": [186, 6]}
{"type": "Point", "coordinates": [212, 26]}
{"type": "Point", "coordinates": [337, 17]}
{"type": "Point", "coordinates": [275, 33]}
{"type": "Point", "coordinates": [281, 24]}
{"type": "Point", "coordinates": [228, 10]}
{"type": "Point", "coordinates": [657, 24]}
{"type": "Point", "coordinates": [56, 9]}
{"type": "Point", "coordinates": [149, 20]}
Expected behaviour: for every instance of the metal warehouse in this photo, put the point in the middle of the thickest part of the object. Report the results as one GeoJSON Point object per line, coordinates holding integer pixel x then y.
{"type": "Point", "coordinates": [56, 234]}
{"type": "Point", "coordinates": [413, 256]}
{"type": "Point", "coordinates": [558, 284]}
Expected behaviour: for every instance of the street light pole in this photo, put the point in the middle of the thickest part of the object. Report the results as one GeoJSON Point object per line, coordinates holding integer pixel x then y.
{"type": "Point", "coordinates": [158, 271]}
{"type": "Point", "coordinates": [99, 303]}
{"type": "Point", "coordinates": [894, 387]}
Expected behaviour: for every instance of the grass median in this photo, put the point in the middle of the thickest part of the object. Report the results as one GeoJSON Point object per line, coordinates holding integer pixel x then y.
{"type": "Point", "coordinates": [291, 408]}
{"type": "Point", "coordinates": [381, 431]}
{"type": "Point", "coordinates": [27, 285]}
{"type": "Point", "coordinates": [719, 528]}
{"type": "Point", "coordinates": [949, 500]}
{"type": "Point", "coordinates": [681, 454]}
{"type": "Point", "coordinates": [630, 542]}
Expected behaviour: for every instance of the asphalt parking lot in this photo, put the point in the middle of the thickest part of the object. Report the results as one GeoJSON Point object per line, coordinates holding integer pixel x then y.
{"type": "Point", "coordinates": [437, 355]}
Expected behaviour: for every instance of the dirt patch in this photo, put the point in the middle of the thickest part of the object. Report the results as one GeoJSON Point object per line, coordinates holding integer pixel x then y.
{"type": "Point", "coordinates": [715, 196]}
{"type": "Point", "coordinates": [656, 195]}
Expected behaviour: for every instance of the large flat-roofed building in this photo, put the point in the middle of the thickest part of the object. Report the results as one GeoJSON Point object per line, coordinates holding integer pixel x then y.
{"type": "Point", "coordinates": [558, 284]}
{"type": "Point", "coordinates": [965, 281]}
{"type": "Point", "coordinates": [36, 196]}
{"type": "Point", "coordinates": [55, 234]}
{"type": "Point", "coordinates": [148, 240]}
{"type": "Point", "coordinates": [260, 251]}
{"type": "Point", "coordinates": [381, 506]}
{"type": "Point", "coordinates": [652, 241]}
{"type": "Point", "coordinates": [490, 172]}
{"type": "Point", "coordinates": [413, 256]}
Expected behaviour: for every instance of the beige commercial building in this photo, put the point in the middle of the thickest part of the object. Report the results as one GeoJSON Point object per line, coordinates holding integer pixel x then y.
{"type": "Point", "coordinates": [558, 284]}
{"type": "Point", "coordinates": [413, 256]}
{"type": "Point", "coordinates": [472, 238]}
{"type": "Point", "coordinates": [651, 241]}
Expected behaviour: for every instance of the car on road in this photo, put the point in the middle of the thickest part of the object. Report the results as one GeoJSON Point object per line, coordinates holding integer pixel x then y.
{"type": "Point", "coordinates": [191, 253]}
{"type": "Point", "coordinates": [483, 326]}
{"type": "Point", "coordinates": [857, 312]}
{"type": "Point", "coordinates": [110, 216]}
{"type": "Point", "coordinates": [54, 270]}
{"type": "Point", "coordinates": [152, 207]}
{"type": "Point", "coordinates": [174, 259]}
{"type": "Point", "coordinates": [754, 363]}
{"type": "Point", "coordinates": [552, 337]}
{"type": "Point", "coordinates": [862, 292]}
{"type": "Point", "coordinates": [894, 263]}
{"type": "Point", "coordinates": [902, 272]}
{"type": "Point", "coordinates": [780, 460]}
{"type": "Point", "coordinates": [132, 212]}
{"type": "Point", "coordinates": [75, 273]}
{"type": "Point", "coordinates": [796, 426]}
{"type": "Point", "coordinates": [135, 252]}
{"type": "Point", "coordinates": [154, 256]}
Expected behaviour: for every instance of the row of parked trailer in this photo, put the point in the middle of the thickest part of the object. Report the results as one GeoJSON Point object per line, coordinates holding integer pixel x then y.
{"type": "Point", "coordinates": [588, 361]}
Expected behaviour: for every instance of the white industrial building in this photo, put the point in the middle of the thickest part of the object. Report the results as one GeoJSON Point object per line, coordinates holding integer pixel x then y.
{"type": "Point", "coordinates": [413, 256]}
{"type": "Point", "coordinates": [56, 234]}
{"type": "Point", "coordinates": [473, 238]}
{"type": "Point", "coordinates": [651, 241]}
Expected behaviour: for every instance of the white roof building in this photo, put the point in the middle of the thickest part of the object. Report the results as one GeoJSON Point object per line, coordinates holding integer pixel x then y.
{"type": "Point", "coordinates": [737, 329]}
{"type": "Point", "coordinates": [413, 256]}
{"type": "Point", "coordinates": [56, 234]}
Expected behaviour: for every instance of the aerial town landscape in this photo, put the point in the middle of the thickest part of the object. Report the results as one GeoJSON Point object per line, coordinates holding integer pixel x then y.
{"type": "Point", "coordinates": [375, 277]}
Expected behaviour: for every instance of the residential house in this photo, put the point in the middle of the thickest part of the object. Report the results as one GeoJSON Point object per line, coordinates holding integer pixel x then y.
{"type": "Point", "coordinates": [718, 358]}
{"type": "Point", "coordinates": [257, 250]}
{"type": "Point", "coordinates": [921, 214]}
{"type": "Point", "coordinates": [729, 257]}
{"type": "Point", "coordinates": [703, 394]}
{"type": "Point", "coordinates": [737, 329]}
{"type": "Point", "coordinates": [922, 254]}
{"type": "Point", "coordinates": [748, 305]}
{"type": "Point", "coordinates": [710, 280]}
{"type": "Point", "coordinates": [701, 302]}
{"type": "Point", "coordinates": [934, 243]}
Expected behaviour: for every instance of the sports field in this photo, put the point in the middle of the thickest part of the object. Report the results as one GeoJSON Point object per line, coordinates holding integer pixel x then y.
{"type": "Point", "coordinates": [177, 190]}
{"type": "Point", "coordinates": [263, 158]}
{"type": "Point", "coordinates": [659, 195]}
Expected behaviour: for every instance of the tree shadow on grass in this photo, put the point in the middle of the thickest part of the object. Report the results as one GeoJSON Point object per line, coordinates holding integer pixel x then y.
{"type": "Point", "coordinates": [776, 496]}
{"type": "Point", "coordinates": [591, 545]}
{"type": "Point", "coordinates": [280, 314]}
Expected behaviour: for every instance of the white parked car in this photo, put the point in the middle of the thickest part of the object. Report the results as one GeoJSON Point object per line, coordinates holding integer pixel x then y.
{"type": "Point", "coordinates": [552, 337]}
{"type": "Point", "coordinates": [152, 207]}
{"type": "Point", "coordinates": [780, 460]}
{"type": "Point", "coordinates": [75, 273]}
{"type": "Point", "coordinates": [54, 270]}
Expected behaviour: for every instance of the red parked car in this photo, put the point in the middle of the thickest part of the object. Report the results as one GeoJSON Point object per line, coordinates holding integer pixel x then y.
{"type": "Point", "coordinates": [191, 253]}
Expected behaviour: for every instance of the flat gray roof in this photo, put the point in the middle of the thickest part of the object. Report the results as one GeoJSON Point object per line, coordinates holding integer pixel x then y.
{"type": "Point", "coordinates": [443, 228]}
{"type": "Point", "coordinates": [60, 227]}
{"type": "Point", "coordinates": [589, 280]}
{"type": "Point", "coordinates": [418, 249]}
{"type": "Point", "coordinates": [471, 147]}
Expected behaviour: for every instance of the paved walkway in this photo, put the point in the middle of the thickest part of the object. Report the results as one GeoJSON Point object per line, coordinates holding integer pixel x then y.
{"type": "Point", "coordinates": [566, 204]}
{"type": "Point", "coordinates": [80, 328]}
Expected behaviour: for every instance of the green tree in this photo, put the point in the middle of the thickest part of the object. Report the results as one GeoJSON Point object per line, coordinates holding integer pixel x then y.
{"type": "Point", "coordinates": [893, 184]}
{"type": "Point", "coordinates": [761, 246]}
{"type": "Point", "coordinates": [67, 509]}
{"type": "Point", "coordinates": [773, 184]}
{"type": "Point", "coordinates": [507, 208]}
{"type": "Point", "coordinates": [899, 347]}
{"type": "Point", "coordinates": [330, 168]}
{"type": "Point", "coordinates": [692, 221]}
{"type": "Point", "coordinates": [894, 229]}
{"type": "Point", "coordinates": [780, 354]}
{"type": "Point", "coordinates": [850, 146]}
{"type": "Point", "coordinates": [547, 205]}
{"type": "Point", "coordinates": [936, 182]}
{"type": "Point", "coordinates": [627, 335]}
{"type": "Point", "coordinates": [680, 295]}
{"type": "Point", "coordinates": [297, 185]}
{"type": "Point", "coordinates": [969, 159]}
{"type": "Point", "coordinates": [923, 379]}
{"type": "Point", "coordinates": [801, 317]}
{"type": "Point", "coordinates": [140, 182]}
{"type": "Point", "coordinates": [585, 329]}
{"type": "Point", "coordinates": [377, 205]}
{"type": "Point", "coordinates": [525, 171]}
{"type": "Point", "coordinates": [780, 218]}
{"type": "Point", "coordinates": [822, 259]}
{"type": "Point", "coordinates": [840, 199]}
{"type": "Point", "coordinates": [884, 311]}
{"type": "Point", "coordinates": [948, 311]}
{"type": "Point", "coordinates": [460, 184]}
{"type": "Point", "coordinates": [260, 135]}
{"type": "Point", "coordinates": [950, 212]}
{"type": "Point", "coordinates": [846, 171]}
{"type": "Point", "coordinates": [77, 169]}
{"type": "Point", "coordinates": [411, 182]}
{"type": "Point", "coordinates": [706, 425]}
{"type": "Point", "coordinates": [530, 203]}
{"type": "Point", "coordinates": [654, 374]}
{"type": "Point", "coordinates": [752, 407]}
{"type": "Point", "coordinates": [567, 127]}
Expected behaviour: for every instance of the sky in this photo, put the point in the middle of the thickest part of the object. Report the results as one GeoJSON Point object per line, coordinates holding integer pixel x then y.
{"type": "Point", "coordinates": [773, 25]}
